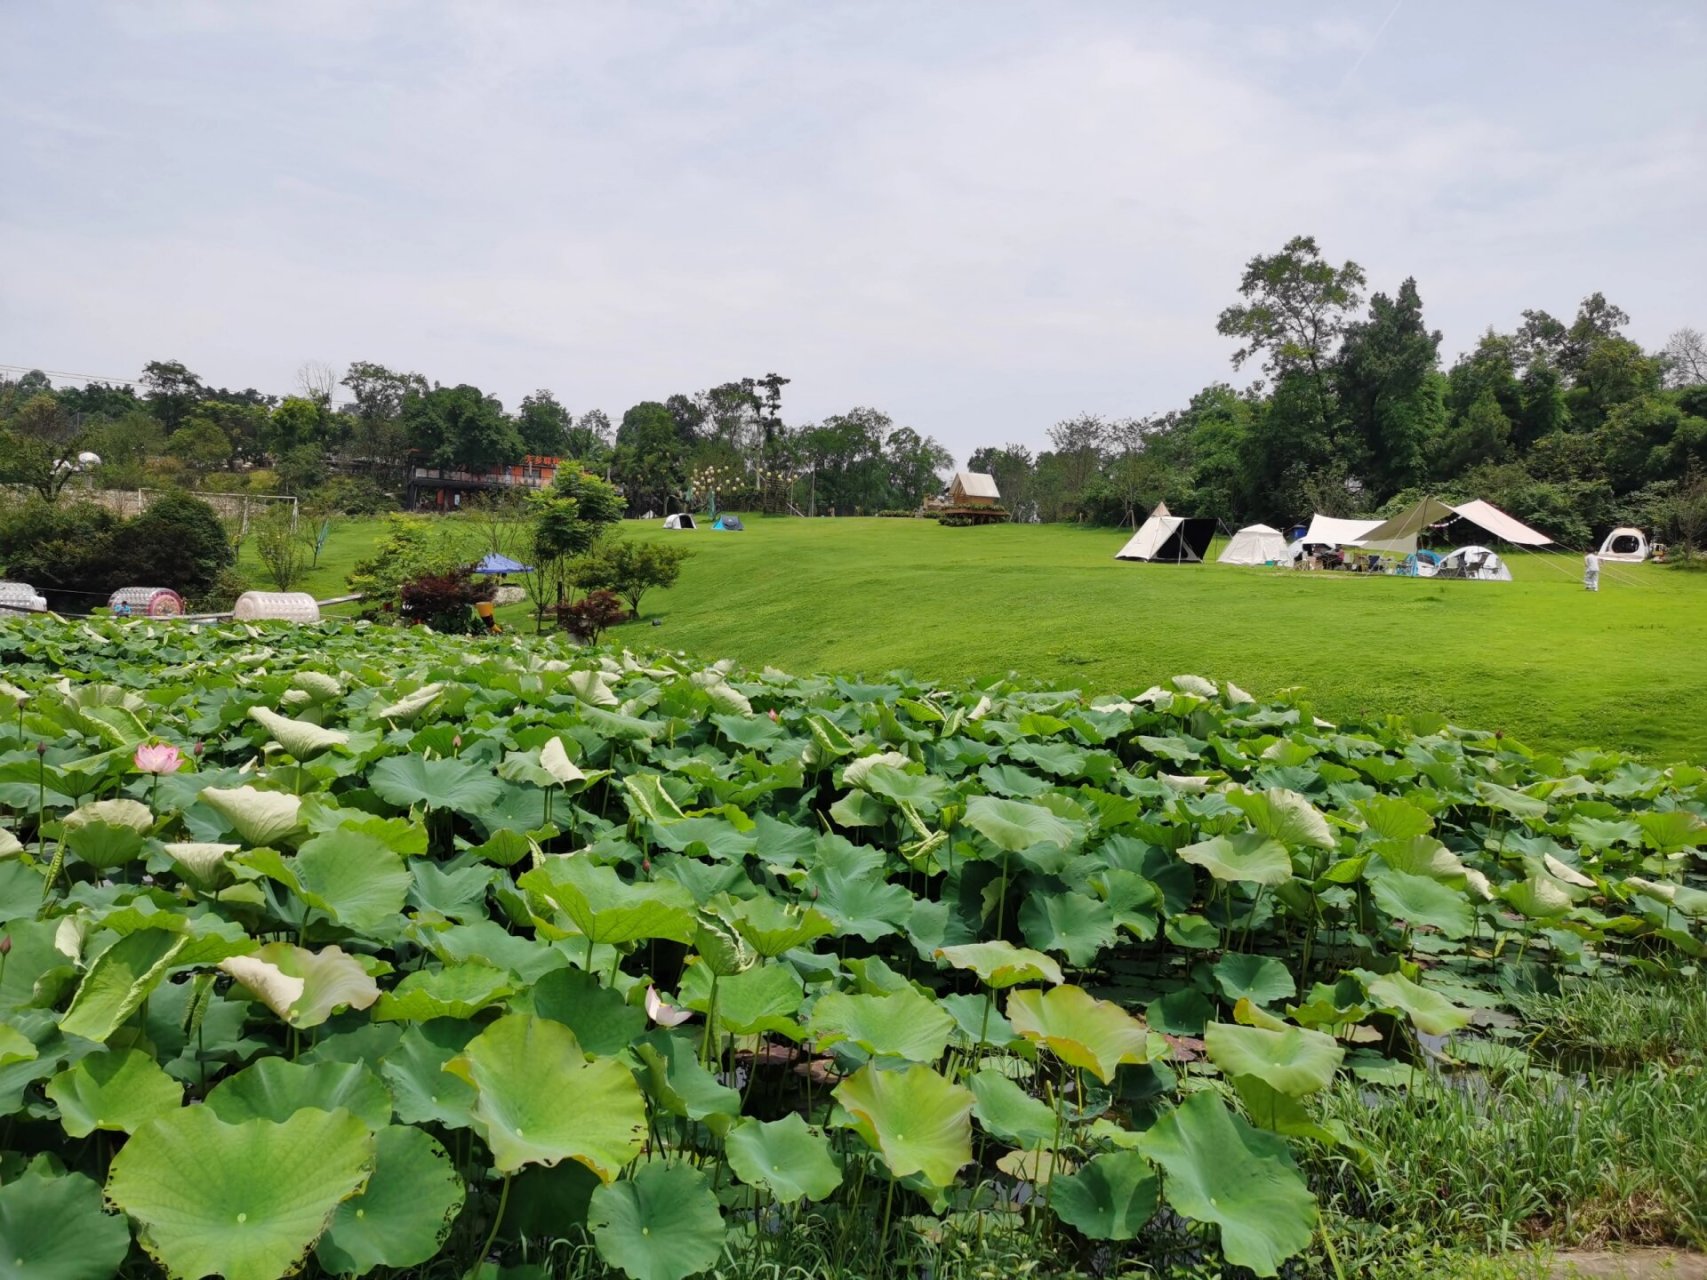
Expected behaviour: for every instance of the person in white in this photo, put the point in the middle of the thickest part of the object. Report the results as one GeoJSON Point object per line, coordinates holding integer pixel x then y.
{"type": "Point", "coordinates": [1591, 572]}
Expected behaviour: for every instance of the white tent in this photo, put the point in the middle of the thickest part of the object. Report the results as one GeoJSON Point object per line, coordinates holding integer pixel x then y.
{"type": "Point", "coordinates": [1175, 539]}
{"type": "Point", "coordinates": [681, 520]}
{"type": "Point", "coordinates": [1474, 562]}
{"type": "Point", "coordinates": [1255, 544]}
{"type": "Point", "coordinates": [1398, 534]}
{"type": "Point", "coordinates": [1332, 531]}
{"type": "Point", "coordinates": [973, 486]}
{"type": "Point", "coordinates": [1627, 545]}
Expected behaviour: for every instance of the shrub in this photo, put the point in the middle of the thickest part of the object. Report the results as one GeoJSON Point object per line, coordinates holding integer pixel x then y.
{"type": "Point", "coordinates": [178, 542]}
{"type": "Point", "coordinates": [589, 617]}
{"type": "Point", "coordinates": [445, 601]}
{"type": "Point", "coordinates": [284, 546]}
{"type": "Point", "coordinates": [62, 548]}
{"type": "Point", "coordinates": [897, 514]}
{"type": "Point", "coordinates": [412, 547]}
{"type": "Point", "coordinates": [219, 597]}
{"type": "Point", "coordinates": [631, 569]}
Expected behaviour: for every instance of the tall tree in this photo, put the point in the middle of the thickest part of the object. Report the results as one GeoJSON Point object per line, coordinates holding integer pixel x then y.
{"type": "Point", "coordinates": [1685, 356]}
{"type": "Point", "coordinates": [649, 463]}
{"type": "Point", "coordinates": [172, 389]}
{"type": "Point", "coordinates": [40, 444]}
{"type": "Point", "coordinates": [544, 425]}
{"type": "Point", "coordinates": [460, 426]}
{"type": "Point", "coordinates": [1390, 392]}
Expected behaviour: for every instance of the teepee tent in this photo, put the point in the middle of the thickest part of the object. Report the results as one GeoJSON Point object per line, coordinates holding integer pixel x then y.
{"type": "Point", "coordinates": [1169, 538]}
{"type": "Point", "coordinates": [1255, 544]}
{"type": "Point", "coordinates": [1626, 545]}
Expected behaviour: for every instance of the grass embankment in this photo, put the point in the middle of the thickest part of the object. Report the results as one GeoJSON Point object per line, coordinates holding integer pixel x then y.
{"type": "Point", "coordinates": [1550, 664]}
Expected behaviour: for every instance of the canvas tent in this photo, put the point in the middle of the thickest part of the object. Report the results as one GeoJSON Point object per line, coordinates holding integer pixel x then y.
{"type": "Point", "coordinates": [1399, 533]}
{"type": "Point", "coordinates": [681, 520]}
{"type": "Point", "coordinates": [1629, 546]}
{"type": "Point", "coordinates": [1332, 531]}
{"type": "Point", "coordinates": [1168, 538]}
{"type": "Point", "coordinates": [1255, 544]}
{"type": "Point", "coordinates": [973, 489]}
{"type": "Point", "coordinates": [1474, 562]}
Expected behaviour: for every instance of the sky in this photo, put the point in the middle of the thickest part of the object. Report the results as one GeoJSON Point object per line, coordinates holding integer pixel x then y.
{"type": "Point", "coordinates": [981, 218]}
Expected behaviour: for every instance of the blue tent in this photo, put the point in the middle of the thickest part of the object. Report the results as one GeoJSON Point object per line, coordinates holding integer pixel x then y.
{"type": "Point", "coordinates": [496, 563]}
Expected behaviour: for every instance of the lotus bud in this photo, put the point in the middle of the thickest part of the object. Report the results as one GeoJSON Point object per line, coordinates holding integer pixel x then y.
{"type": "Point", "coordinates": [646, 865]}
{"type": "Point", "coordinates": [198, 749]}
{"type": "Point", "coordinates": [41, 748]}
{"type": "Point", "coordinates": [456, 743]}
{"type": "Point", "coordinates": [5, 944]}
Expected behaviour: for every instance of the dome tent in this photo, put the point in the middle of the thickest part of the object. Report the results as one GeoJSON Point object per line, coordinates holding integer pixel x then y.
{"type": "Point", "coordinates": [729, 524]}
{"type": "Point", "coordinates": [1626, 545]}
{"type": "Point", "coordinates": [1474, 562]}
{"type": "Point", "coordinates": [1255, 544]}
{"type": "Point", "coordinates": [681, 520]}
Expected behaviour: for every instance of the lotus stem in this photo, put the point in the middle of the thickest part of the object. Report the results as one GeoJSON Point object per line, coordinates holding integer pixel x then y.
{"type": "Point", "coordinates": [497, 1221]}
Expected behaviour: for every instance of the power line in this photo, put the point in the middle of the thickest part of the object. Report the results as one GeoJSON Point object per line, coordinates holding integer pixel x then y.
{"type": "Point", "coordinates": [65, 373]}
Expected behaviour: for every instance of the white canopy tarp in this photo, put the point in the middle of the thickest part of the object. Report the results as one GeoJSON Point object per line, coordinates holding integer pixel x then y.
{"type": "Point", "coordinates": [1255, 544]}
{"type": "Point", "coordinates": [1332, 531]}
{"type": "Point", "coordinates": [1399, 533]}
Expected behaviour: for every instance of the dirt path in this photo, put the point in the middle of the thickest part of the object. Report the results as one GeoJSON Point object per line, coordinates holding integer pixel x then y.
{"type": "Point", "coordinates": [1629, 1264]}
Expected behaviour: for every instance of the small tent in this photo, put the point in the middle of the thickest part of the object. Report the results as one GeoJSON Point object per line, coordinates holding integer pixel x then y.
{"type": "Point", "coordinates": [1169, 539]}
{"type": "Point", "coordinates": [1625, 544]}
{"type": "Point", "coordinates": [681, 520]}
{"type": "Point", "coordinates": [1255, 544]}
{"type": "Point", "coordinates": [500, 564]}
{"type": "Point", "coordinates": [1474, 562]}
{"type": "Point", "coordinates": [973, 489]}
{"type": "Point", "coordinates": [729, 524]}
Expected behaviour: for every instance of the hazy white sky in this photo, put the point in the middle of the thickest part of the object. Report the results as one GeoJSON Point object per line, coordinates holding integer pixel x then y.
{"type": "Point", "coordinates": [981, 218]}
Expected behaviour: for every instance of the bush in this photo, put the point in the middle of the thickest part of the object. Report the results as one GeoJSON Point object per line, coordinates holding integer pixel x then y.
{"type": "Point", "coordinates": [178, 542]}
{"type": "Point", "coordinates": [284, 545]}
{"type": "Point", "coordinates": [445, 601]}
{"type": "Point", "coordinates": [589, 617]}
{"type": "Point", "coordinates": [64, 549]}
{"type": "Point", "coordinates": [412, 547]}
{"type": "Point", "coordinates": [222, 594]}
{"type": "Point", "coordinates": [894, 513]}
{"type": "Point", "coordinates": [631, 569]}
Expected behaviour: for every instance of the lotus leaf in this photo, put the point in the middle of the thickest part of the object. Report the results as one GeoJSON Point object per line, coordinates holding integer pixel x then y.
{"type": "Point", "coordinates": [786, 1157]}
{"type": "Point", "coordinates": [299, 737]}
{"type": "Point", "coordinates": [1110, 1198]}
{"type": "Point", "coordinates": [919, 1122]}
{"type": "Point", "coordinates": [1011, 1113]}
{"type": "Point", "coordinates": [1432, 1012]}
{"type": "Point", "coordinates": [1243, 856]}
{"type": "Point", "coordinates": [107, 833]}
{"type": "Point", "coordinates": [453, 991]}
{"type": "Point", "coordinates": [1221, 1170]}
{"type": "Point", "coordinates": [606, 908]}
{"type": "Point", "coordinates": [1419, 901]}
{"type": "Point", "coordinates": [1013, 826]}
{"type": "Point", "coordinates": [276, 1089]}
{"type": "Point", "coordinates": [406, 781]}
{"type": "Point", "coordinates": [1292, 1060]}
{"type": "Point", "coordinates": [903, 1025]}
{"type": "Point", "coordinates": [52, 1228]}
{"type": "Point", "coordinates": [539, 1100]}
{"type": "Point", "coordinates": [1079, 1029]}
{"type": "Point", "coordinates": [661, 1224]}
{"type": "Point", "coordinates": [116, 1090]}
{"type": "Point", "coordinates": [119, 981]}
{"type": "Point", "coordinates": [1261, 979]}
{"type": "Point", "coordinates": [303, 987]}
{"type": "Point", "coordinates": [423, 1092]}
{"type": "Point", "coordinates": [1001, 964]}
{"type": "Point", "coordinates": [258, 817]}
{"type": "Point", "coordinates": [245, 1201]}
{"type": "Point", "coordinates": [1286, 817]}
{"type": "Point", "coordinates": [403, 1215]}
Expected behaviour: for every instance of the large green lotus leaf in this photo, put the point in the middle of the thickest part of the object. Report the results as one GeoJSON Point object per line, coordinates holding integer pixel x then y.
{"type": "Point", "coordinates": [866, 905]}
{"type": "Point", "coordinates": [52, 1228]}
{"type": "Point", "coordinates": [772, 927]}
{"type": "Point", "coordinates": [1391, 818]}
{"type": "Point", "coordinates": [922, 791]}
{"type": "Point", "coordinates": [423, 1092]}
{"type": "Point", "coordinates": [902, 1025]}
{"type": "Point", "coordinates": [453, 784]}
{"type": "Point", "coordinates": [1013, 825]}
{"type": "Point", "coordinates": [276, 1089]}
{"type": "Point", "coordinates": [1285, 816]}
{"type": "Point", "coordinates": [243, 1201]}
{"type": "Point", "coordinates": [1246, 856]}
{"type": "Point", "coordinates": [260, 818]}
{"type": "Point", "coordinates": [672, 1074]}
{"type": "Point", "coordinates": [119, 981]}
{"type": "Point", "coordinates": [918, 1121]}
{"type": "Point", "coordinates": [787, 1157]}
{"type": "Point", "coordinates": [1671, 830]}
{"type": "Point", "coordinates": [606, 908]}
{"type": "Point", "coordinates": [1421, 901]}
{"type": "Point", "coordinates": [107, 833]}
{"type": "Point", "coordinates": [410, 705]}
{"type": "Point", "coordinates": [760, 1000]}
{"type": "Point", "coordinates": [1012, 1114]}
{"type": "Point", "coordinates": [1079, 1029]}
{"type": "Point", "coordinates": [205, 865]}
{"type": "Point", "coordinates": [303, 987]}
{"type": "Point", "coordinates": [661, 1224]}
{"type": "Point", "coordinates": [1001, 964]}
{"type": "Point", "coordinates": [1540, 897]}
{"type": "Point", "coordinates": [1221, 1170]}
{"type": "Point", "coordinates": [1074, 924]}
{"type": "Point", "coordinates": [15, 1046]}
{"type": "Point", "coordinates": [1432, 1012]}
{"type": "Point", "coordinates": [1603, 833]}
{"type": "Point", "coordinates": [360, 887]}
{"type": "Point", "coordinates": [453, 991]}
{"type": "Point", "coordinates": [302, 739]}
{"type": "Point", "coordinates": [603, 1022]}
{"type": "Point", "coordinates": [117, 1090]}
{"type": "Point", "coordinates": [1422, 856]}
{"type": "Point", "coordinates": [648, 801]}
{"type": "Point", "coordinates": [1505, 800]}
{"type": "Point", "coordinates": [404, 1214]}
{"type": "Point", "coordinates": [1110, 1198]}
{"type": "Point", "coordinates": [978, 1021]}
{"type": "Point", "coordinates": [539, 1100]}
{"type": "Point", "coordinates": [1293, 1060]}
{"type": "Point", "coordinates": [1260, 979]}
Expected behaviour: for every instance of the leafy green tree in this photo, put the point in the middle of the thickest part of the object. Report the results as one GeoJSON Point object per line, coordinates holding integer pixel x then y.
{"type": "Point", "coordinates": [460, 426]}
{"type": "Point", "coordinates": [631, 569]}
{"type": "Point", "coordinates": [1014, 471]}
{"type": "Point", "coordinates": [39, 446]}
{"type": "Point", "coordinates": [1389, 391]}
{"type": "Point", "coordinates": [590, 438]}
{"type": "Point", "coordinates": [915, 462]}
{"type": "Point", "coordinates": [297, 422]}
{"type": "Point", "coordinates": [172, 390]}
{"type": "Point", "coordinates": [650, 463]}
{"type": "Point", "coordinates": [284, 545]}
{"type": "Point", "coordinates": [1481, 436]}
{"type": "Point", "coordinates": [567, 520]}
{"type": "Point", "coordinates": [543, 425]}
{"type": "Point", "coordinates": [200, 446]}
{"type": "Point", "coordinates": [177, 542]}
{"type": "Point", "coordinates": [377, 437]}
{"type": "Point", "coordinates": [411, 547]}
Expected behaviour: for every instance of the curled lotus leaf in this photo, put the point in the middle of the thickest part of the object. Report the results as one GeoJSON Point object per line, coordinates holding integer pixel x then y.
{"type": "Point", "coordinates": [302, 739]}
{"type": "Point", "coordinates": [917, 1120]}
{"type": "Point", "coordinates": [1079, 1029]}
{"type": "Point", "coordinates": [1000, 964]}
{"type": "Point", "coordinates": [301, 986]}
{"type": "Point", "coordinates": [258, 817]}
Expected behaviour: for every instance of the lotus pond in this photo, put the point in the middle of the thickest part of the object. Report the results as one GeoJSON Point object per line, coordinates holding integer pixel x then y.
{"type": "Point", "coordinates": [352, 951]}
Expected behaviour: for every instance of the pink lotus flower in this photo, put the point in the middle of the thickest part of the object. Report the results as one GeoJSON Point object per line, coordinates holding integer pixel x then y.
{"type": "Point", "coordinates": [664, 1015]}
{"type": "Point", "coordinates": [158, 758]}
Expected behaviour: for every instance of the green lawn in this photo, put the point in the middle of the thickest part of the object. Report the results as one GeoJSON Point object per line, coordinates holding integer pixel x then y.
{"type": "Point", "coordinates": [1540, 658]}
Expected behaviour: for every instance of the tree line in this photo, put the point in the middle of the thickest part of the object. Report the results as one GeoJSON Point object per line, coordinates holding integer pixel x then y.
{"type": "Point", "coordinates": [1569, 424]}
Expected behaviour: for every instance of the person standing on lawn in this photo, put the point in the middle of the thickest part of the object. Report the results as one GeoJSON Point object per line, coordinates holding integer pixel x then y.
{"type": "Point", "coordinates": [1591, 572]}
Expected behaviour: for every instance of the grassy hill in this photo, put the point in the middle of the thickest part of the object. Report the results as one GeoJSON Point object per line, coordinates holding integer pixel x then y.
{"type": "Point", "coordinates": [1539, 657]}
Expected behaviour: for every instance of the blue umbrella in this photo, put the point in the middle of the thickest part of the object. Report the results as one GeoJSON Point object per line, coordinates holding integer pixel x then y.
{"type": "Point", "coordinates": [496, 563]}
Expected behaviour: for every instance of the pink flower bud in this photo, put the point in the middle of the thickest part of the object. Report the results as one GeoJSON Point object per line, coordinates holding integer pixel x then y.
{"type": "Point", "coordinates": [41, 748]}
{"type": "Point", "coordinates": [198, 749]}
{"type": "Point", "coordinates": [5, 944]}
